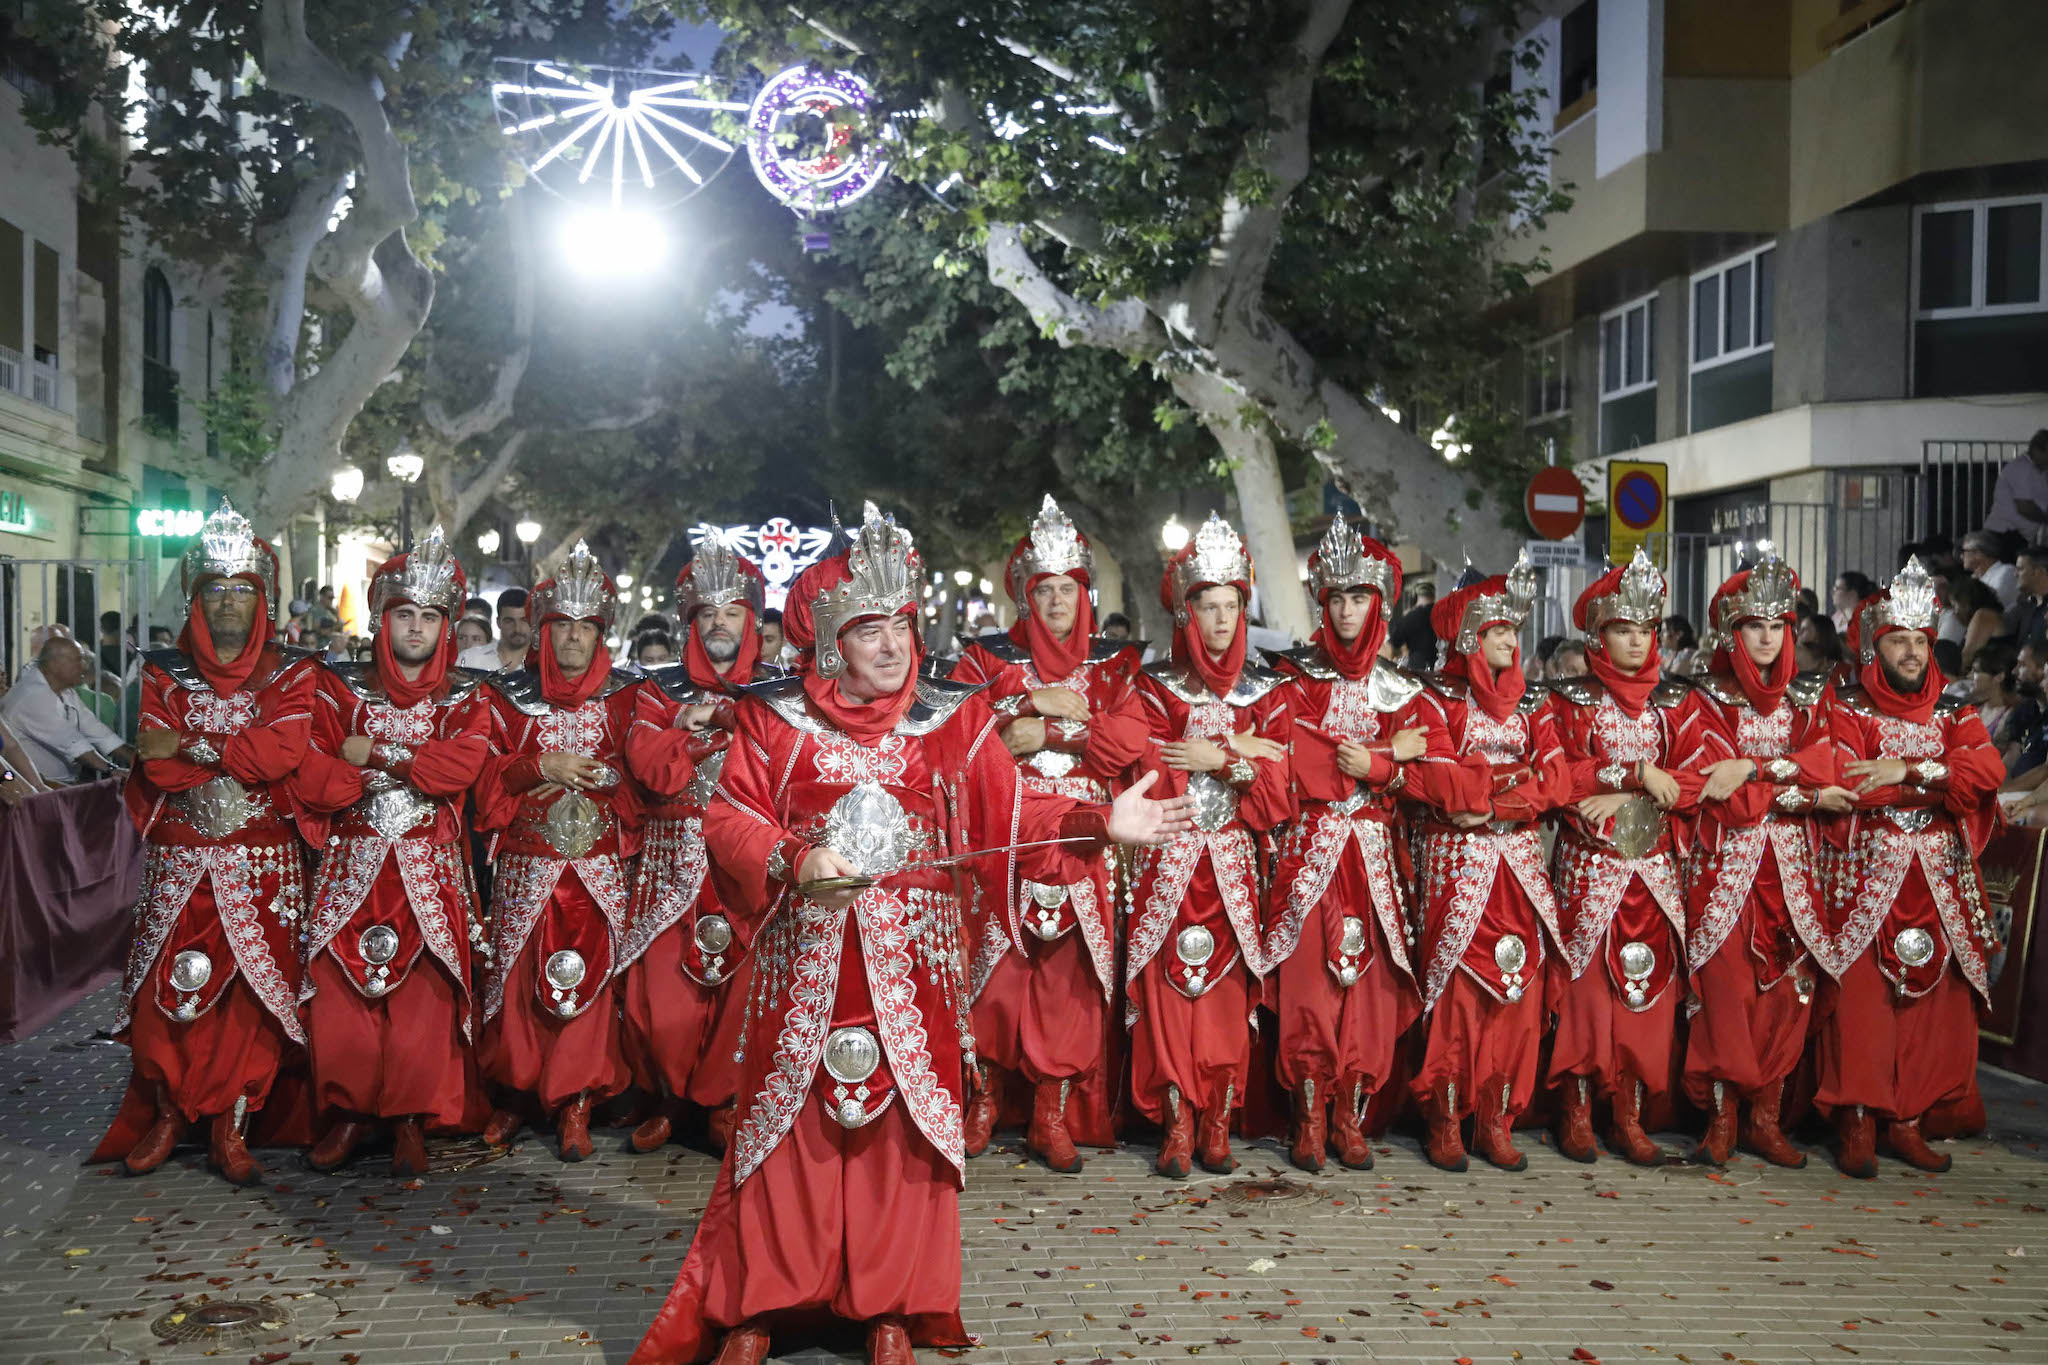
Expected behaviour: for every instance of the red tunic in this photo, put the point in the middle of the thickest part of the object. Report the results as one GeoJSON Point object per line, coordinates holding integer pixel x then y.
{"type": "Point", "coordinates": [1042, 957]}
{"type": "Point", "coordinates": [560, 895]}
{"type": "Point", "coordinates": [1753, 903]}
{"type": "Point", "coordinates": [1341, 921]}
{"type": "Point", "coordinates": [1489, 921]}
{"type": "Point", "coordinates": [394, 919]}
{"type": "Point", "coordinates": [839, 1194]}
{"type": "Point", "coordinates": [1197, 936]}
{"type": "Point", "coordinates": [681, 950]}
{"type": "Point", "coordinates": [211, 996]}
{"type": "Point", "coordinates": [1910, 933]}
{"type": "Point", "coordinates": [1623, 1019]}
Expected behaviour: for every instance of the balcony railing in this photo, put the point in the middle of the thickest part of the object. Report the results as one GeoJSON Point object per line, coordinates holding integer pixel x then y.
{"type": "Point", "coordinates": [13, 370]}
{"type": "Point", "coordinates": [39, 381]}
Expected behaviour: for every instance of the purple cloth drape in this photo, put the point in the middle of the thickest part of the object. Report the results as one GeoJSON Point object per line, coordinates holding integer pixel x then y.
{"type": "Point", "coordinates": [70, 869]}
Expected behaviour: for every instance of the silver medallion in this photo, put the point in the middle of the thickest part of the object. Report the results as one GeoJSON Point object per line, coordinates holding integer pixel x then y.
{"type": "Point", "coordinates": [565, 969]}
{"type": "Point", "coordinates": [1510, 953]}
{"type": "Point", "coordinates": [395, 811]}
{"type": "Point", "coordinates": [219, 807]}
{"type": "Point", "coordinates": [1194, 944]}
{"type": "Point", "coordinates": [375, 985]}
{"type": "Point", "coordinates": [378, 944]}
{"type": "Point", "coordinates": [574, 824]}
{"type": "Point", "coordinates": [1347, 976]}
{"type": "Point", "coordinates": [1052, 763]}
{"type": "Point", "coordinates": [1915, 947]}
{"type": "Point", "coordinates": [852, 1054]}
{"type": "Point", "coordinates": [869, 829]}
{"type": "Point", "coordinates": [1353, 941]}
{"type": "Point", "coordinates": [191, 970]}
{"type": "Point", "coordinates": [713, 934]}
{"type": "Point", "coordinates": [1050, 895]}
{"type": "Point", "coordinates": [1638, 960]}
{"type": "Point", "coordinates": [851, 1113]}
{"type": "Point", "coordinates": [1636, 826]}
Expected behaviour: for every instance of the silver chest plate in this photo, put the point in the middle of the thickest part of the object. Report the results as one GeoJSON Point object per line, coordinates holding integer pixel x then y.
{"type": "Point", "coordinates": [1214, 803]}
{"type": "Point", "coordinates": [870, 829]}
{"type": "Point", "coordinates": [220, 807]}
{"type": "Point", "coordinates": [392, 808]}
{"type": "Point", "coordinates": [1052, 763]}
{"type": "Point", "coordinates": [574, 824]}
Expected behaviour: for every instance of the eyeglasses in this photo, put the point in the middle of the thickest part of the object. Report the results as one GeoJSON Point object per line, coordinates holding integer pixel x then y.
{"type": "Point", "coordinates": [221, 588]}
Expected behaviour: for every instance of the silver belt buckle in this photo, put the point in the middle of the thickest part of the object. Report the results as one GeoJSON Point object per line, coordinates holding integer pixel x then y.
{"type": "Point", "coordinates": [870, 829]}
{"type": "Point", "coordinates": [1637, 826]}
{"type": "Point", "coordinates": [395, 811]}
{"type": "Point", "coordinates": [852, 1055]}
{"type": "Point", "coordinates": [219, 807]}
{"type": "Point", "coordinates": [1214, 804]}
{"type": "Point", "coordinates": [573, 825]}
{"type": "Point", "coordinates": [1053, 763]}
{"type": "Point", "coordinates": [1911, 819]}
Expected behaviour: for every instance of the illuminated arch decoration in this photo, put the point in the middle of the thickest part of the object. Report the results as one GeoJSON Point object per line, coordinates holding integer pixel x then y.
{"type": "Point", "coordinates": [782, 549]}
{"type": "Point", "coordinates": [632, 127]}
{"type": "Point", "coordinates": [839, 174]}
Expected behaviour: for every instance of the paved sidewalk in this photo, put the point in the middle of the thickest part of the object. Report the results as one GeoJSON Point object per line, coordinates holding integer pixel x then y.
{"type": "Point", "coordinates": [528, 1259]}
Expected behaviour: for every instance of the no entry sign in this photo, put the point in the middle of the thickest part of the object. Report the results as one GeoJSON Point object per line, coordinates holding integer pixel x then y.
{"type": "Point", "coordinates": [1555, 503]}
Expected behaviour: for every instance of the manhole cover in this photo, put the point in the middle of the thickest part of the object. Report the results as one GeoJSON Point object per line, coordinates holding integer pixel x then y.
{"type": "Point", "coordinates": [1275, 1191]}
{"type": "Point", "coordinates": [445, 1156]}
{"type": "Point", "coordinates": [221, 1321]}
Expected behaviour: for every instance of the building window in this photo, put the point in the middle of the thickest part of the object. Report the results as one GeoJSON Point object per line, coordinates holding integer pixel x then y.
{"type": "Point", "coordinates": [1546, 380]}
{"type": "Point", "coordinates": [1732, 331]}
{"type": "Point", "coordinates": [1980, 311]}
{"type": "Point", "coordinates": [159, 376]}
{"type": "Point", "coordinates": [1578, 61]}
{"type": "Point", "coordinates": [1628, 376]}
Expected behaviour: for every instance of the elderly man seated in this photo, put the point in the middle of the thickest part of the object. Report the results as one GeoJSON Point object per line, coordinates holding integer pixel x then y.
{"type": "Point", "coordinates": [61, 736]}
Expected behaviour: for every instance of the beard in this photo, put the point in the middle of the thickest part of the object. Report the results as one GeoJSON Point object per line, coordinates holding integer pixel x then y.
{"type": "Point", "coordinates": [1900, 683]}
{"type": "Point", "coordinates": [721, 646]}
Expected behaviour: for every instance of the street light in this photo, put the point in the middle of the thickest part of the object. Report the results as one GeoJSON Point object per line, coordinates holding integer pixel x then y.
{"type": "Point", "coordinates": [987, 587]}
{"type": "Point", "coordinates": [489, 541]}
{"type": "Point", "coordinates": [963, 576]}
{"type": "Point", "coordinates": [406, 466]}
{"type": "Point", "coordinates": [1173, 535]}
{"type": "Point", "coordinates": [528, 531]}
{"type": "Point", "coordinates": [348, 484]}
{"type": "Point", "coordinates": [625, 580]}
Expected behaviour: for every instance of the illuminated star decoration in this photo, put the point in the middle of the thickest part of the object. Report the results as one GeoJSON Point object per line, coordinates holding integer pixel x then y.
{"type": "Point", "coordinates": [782, 548]}
{"type": "Point", "coordinates": [635, 126]}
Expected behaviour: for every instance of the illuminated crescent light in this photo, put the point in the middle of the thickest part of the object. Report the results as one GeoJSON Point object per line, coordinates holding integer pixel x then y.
{"type": "Point", "coordinates": [835, 177]}
{"type": "Point", "coordinates": [632, 126]}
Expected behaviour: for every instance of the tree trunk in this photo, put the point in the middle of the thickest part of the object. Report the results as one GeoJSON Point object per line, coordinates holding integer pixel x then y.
{"type": "Point", "coordinates": [1126, 527]}
{"type": "Point", "coordinates": [1261, 498]}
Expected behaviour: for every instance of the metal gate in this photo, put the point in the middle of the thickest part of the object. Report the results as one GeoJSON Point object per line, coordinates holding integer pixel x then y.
{"type": "Point", "coordinates": [74, 594]}
{"type": "Point", "coordinates": [1957, 480]}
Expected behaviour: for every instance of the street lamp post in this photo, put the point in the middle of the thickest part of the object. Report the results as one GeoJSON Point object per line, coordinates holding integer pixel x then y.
{"type": "Point", "coordinates": [528, 531]}
{"type": "Point", "coordinates": [406, 467]}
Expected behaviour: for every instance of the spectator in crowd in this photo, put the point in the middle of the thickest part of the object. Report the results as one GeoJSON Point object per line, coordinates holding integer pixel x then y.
{"type": "Point", "coordinates": [1809, 601]}
{"type": "Point", "coordinates": [1974, 608]}
{"type": "Point", "coordinates": [515, 633]}
{"type": "Point", "coordinates": [652, 648]}
{"type": "Point", "coordinates": [2027, 728]}
{"type": "Point", "coordinates": [1819, 648]}
{"type": "Point", "coordinates": [1992, 690]}
{"type": "Point", "coordinates": [1676, 640]}
{"type": "Point", "coordinates": [472, 632]}
{"type": "Point", "coordinates": [2019, 504]}
{"type": "Point", "coordinates": [1983, 560]}
{"type": "Point", "coordinates": [63, 739]}
{"type": "Point", "coordinates": [1851, 588]}
{"type": "Point", "coordinates": [2028, 614]}
{"type": "Point", "coordinates": [295, 628]}
{"type": "Point", "coordinates": [115, 653]}
{"type": "Point", "coordinates": [17, 775]}
{"type": "Point", "coordinates": [1115, 626]}
{"type": "Point", "coordinates": [1568, 660]}
{"type": "Point", "coordinates": [479, 607]}
{"type": "Point", "coordinates": [1536, 666]}
{"type": "Point", "coordinates": [770, 627]}
{"type": "Point", "coordinates": [161, 637]}
{"type": "Point", "coordinates": [1413, 636]}
{"type": "Point", "coordinates": [652, 621]}
{"type": "Point", "coordinates": [323, 623]}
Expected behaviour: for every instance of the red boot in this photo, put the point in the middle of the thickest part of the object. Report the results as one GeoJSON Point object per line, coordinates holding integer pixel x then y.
{"type": "Point", "coordinates": [889, 1343]}
{"type": "Point", "coordinates": [1762, 1134]}
{"type": "Point", "coordinates": [719, 1127]}
{"type": "Point", "coordinates": [1310, 1138]}
{"type": "Point", "coordinates": [501, 1129]}
{"type": "Point", "coordinates": [1213, 1150]}
{"type": "Point", "coordinates": [1719, 1143]}
{"type": "Point", "coordinates": [1444, 1147]}
{"type": "Point", "coordinates": [572, 1128]}
{"type": "Point", "coordinates": [980, 1124]}
{"type": "Point", "coordinates": [656, 1129]}
{"type": "Point", "coordinates": [1903, 1139]}
{"type": "Point", "coordinates": [1354, 1153]}
{"type": "Point", "coordinates": [1628, 1137]}
{"type": "Point", "coordinates": [228, 1153]}
{"type": "Point", "coordinates": [746, 1344]}
{"type": "Point", "coordinates": [162, 1138]}
{"type": "Point", "coordinates": [1047, 1137]}
{"type": "Point", "coordinates": [1856, 1133]}
{"type": "Point", "coordinates": [1575, 1134]}
{"type": "Point", "coordinates": [1493, 1134]}
{"type": "Point", "coordinates": [1177, 1147]}
{"type": "Point", "coordinates": [338, 1144]}
{"type": "Point", "coordinates": [408, 1147]}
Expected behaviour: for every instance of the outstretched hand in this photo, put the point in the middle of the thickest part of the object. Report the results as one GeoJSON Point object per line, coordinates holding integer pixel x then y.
{"type": "Point", "coordinates": [1135, 818]}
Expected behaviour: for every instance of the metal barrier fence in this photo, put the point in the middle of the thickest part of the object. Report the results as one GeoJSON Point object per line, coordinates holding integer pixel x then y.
{"type": "Point", "coordinates": [1957, 480]}
{"type": "Point", "coordinates": [74, 593]}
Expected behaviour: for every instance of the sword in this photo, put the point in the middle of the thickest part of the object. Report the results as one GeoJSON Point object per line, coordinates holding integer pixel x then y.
{"type": "Point", "coordinates": [820, 885]}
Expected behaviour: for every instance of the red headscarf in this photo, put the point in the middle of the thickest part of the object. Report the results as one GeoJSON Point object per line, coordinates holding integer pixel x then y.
{"type": "Point", "coordinates": [703, 671]}
{"type": "Point", "coordinates": [1498, 694]}
{"type": "Point", "coordinates": [1355, 660]}
{"type": "Point", "coordinates": [1631, 690]}
{"type": "Point", "coordinates": [407, 693]}
{"type": "Point", "coordinates": [1053, 659]}
{"type": "Point", "coordinates": [1917, 707]}
{"type": "Point", "coordinates": [879, 717]}
{"type": "Point", "coordinates": [229, 677]}
{"type": "Point", "coordinates": [1218, 673]}
{"type": "Point", "coordinates": [557, 688]}
{"type": "Point", "coordinates": [798, 630]}
{"type": "Point", "coordinates": [1730, 657]}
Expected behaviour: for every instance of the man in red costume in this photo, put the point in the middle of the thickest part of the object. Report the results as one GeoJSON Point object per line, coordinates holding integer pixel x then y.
{"type": "Point", "coordinates": [1041, 980]}
{"type": "Point", "coordinates": [1912, 933]}
{"type": "Point", "coordinates": [1492, 768]}
{"type": "Point", "coordinates": [1219, 730]}
{"type": "Point", "coordinates": [681, 951]}
{"type": "Point", "coordinates": [1343, 984]}
{"type": "Point", "coordinates": [1753, 904]}
{"type": "Point", "coordinates": [839, 1195]}
{"type": "Point", "coordinates": [397, 744]}
{"type": "Point", "coordinates": [1616, 867]}
{"type": "Point", "coordinates": [560, 895]}
{"type": "Point", "coordinates": [212, 989]}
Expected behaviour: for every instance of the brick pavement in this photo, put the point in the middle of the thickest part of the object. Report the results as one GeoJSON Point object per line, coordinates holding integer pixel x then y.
{"type": "Point", "coordinates": [528, 1259]}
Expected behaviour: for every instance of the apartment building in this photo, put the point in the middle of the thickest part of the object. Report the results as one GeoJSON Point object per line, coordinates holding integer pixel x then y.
{"type": "Point", "coordinates": [1805, 265]}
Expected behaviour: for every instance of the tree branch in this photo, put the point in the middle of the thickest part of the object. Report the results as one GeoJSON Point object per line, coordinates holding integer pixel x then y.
{"type": "Point", "coordinates": [287, 250]}
{"type": "Point", "coordinates": [1124, 325]}
{"type": "Point", "coordinates": [493, 410]}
